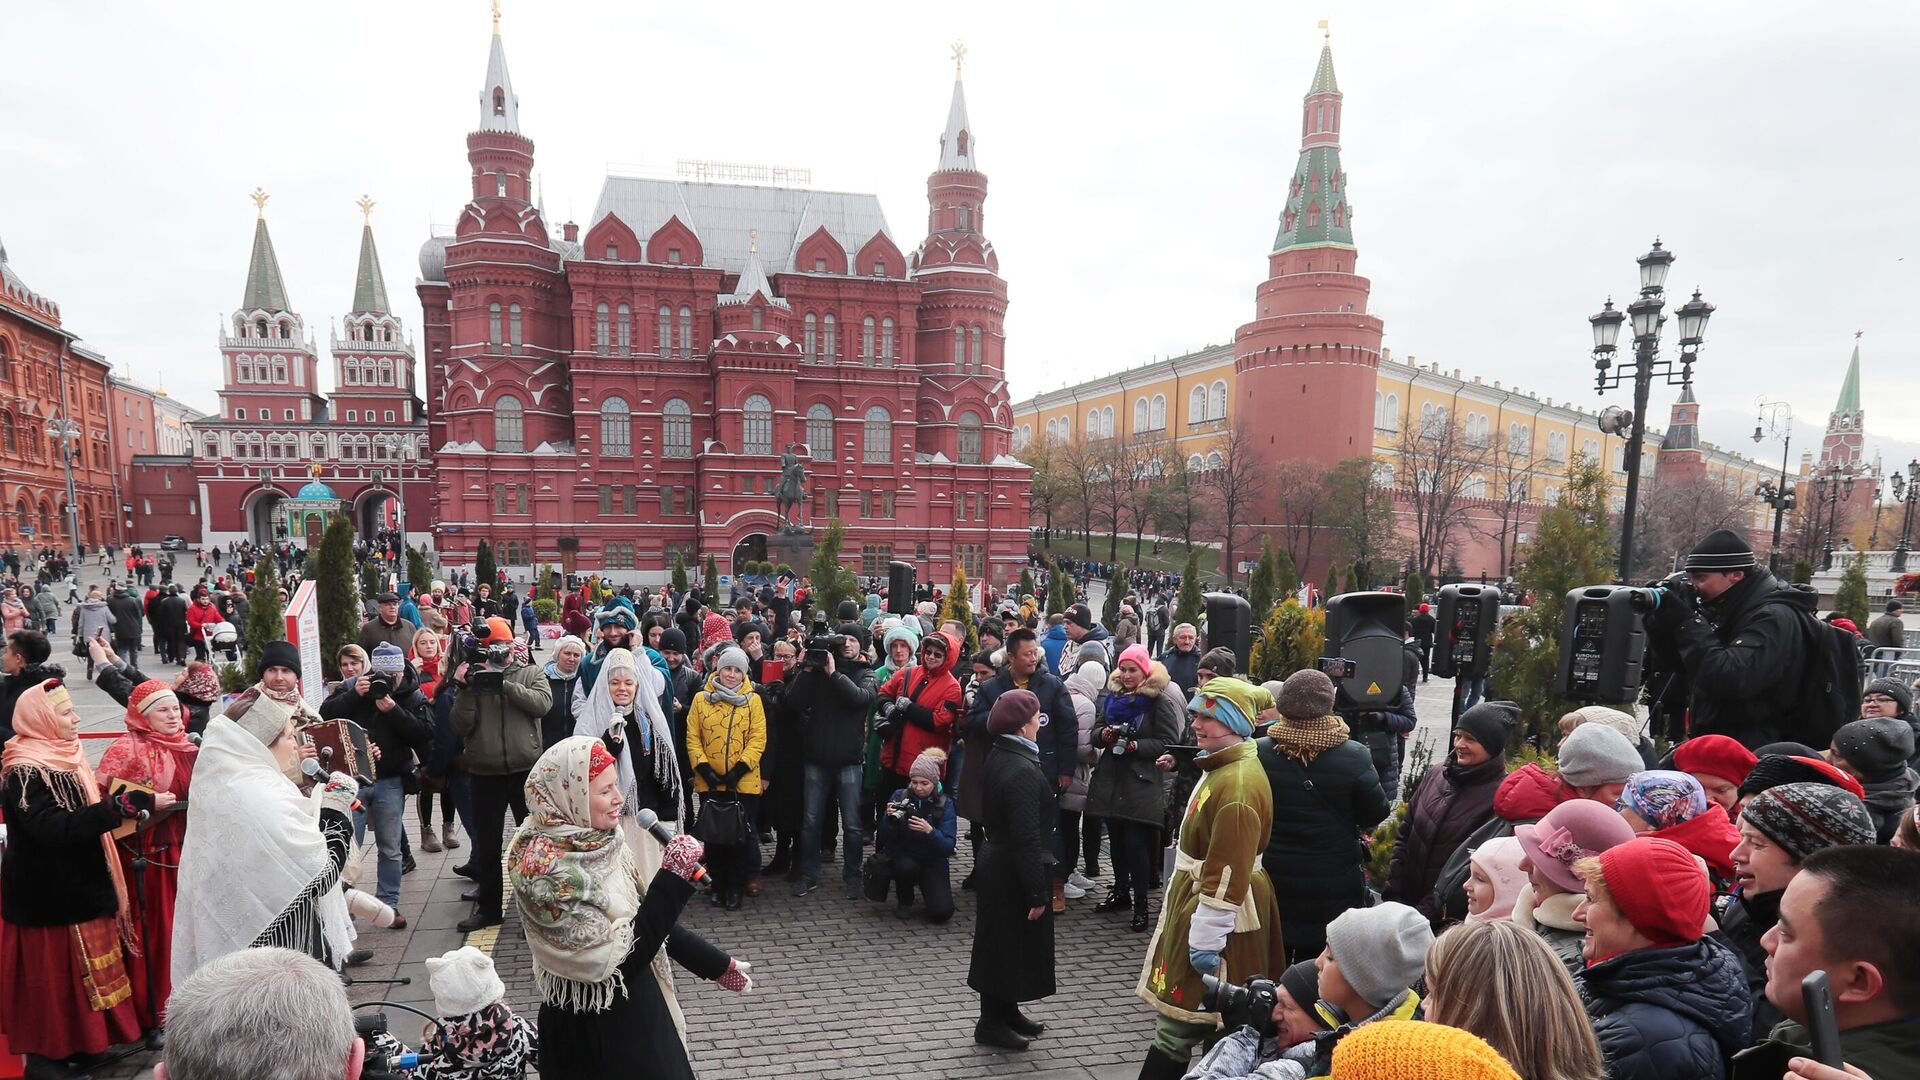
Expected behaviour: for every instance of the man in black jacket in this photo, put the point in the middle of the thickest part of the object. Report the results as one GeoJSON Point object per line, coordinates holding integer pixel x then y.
{"type": "Point", "coordinates": [127, 620]}
{"type": "Point", "coordinates": [379, 694]}
{"type": "Point", "coordinates": [170, 623]}
{"type": "Point", "coordinates": [1739, 635]}
{"type": "Point", "coordinates": [1059, 724]}
{"type": "Point", "coordinates": [832, 694]}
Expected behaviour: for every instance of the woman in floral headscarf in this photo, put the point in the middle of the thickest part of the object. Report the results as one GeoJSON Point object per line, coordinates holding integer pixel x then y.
{"type": "Point", "coordinates": [1673, 805]}
{"type": "Point", "coordinates": [154, 753]}
{"type": "Point", "coordinates": [64, 917]}
{"type": "Point", "coordinates": [198, 689]}
{"type": "Point", "coordinates": [601, 941]}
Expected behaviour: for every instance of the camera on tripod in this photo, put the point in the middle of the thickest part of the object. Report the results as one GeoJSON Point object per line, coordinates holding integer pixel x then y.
{"type": "Point", "coordinates": [1248, 1004]}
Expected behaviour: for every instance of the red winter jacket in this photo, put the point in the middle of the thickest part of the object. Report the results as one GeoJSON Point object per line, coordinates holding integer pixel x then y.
{"type": "Point", "coordinates": [1529, 792]}
{"type": "Point", "coordinates": [201, 619]}
{"type": "Point", "coordinates": [1710, 835]}
{"type": "Point", "coordinates": [929, 720]}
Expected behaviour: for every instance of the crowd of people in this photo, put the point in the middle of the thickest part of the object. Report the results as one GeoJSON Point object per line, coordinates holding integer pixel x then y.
{"type": "Point", "coordinates": [1619, 911]}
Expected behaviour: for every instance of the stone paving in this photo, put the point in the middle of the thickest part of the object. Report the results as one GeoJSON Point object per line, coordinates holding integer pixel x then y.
{"type": "Point", "coordinates": [841, 987]}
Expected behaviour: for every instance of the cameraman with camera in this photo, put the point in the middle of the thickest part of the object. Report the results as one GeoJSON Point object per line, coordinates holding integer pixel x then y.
{"type": "Point", "coordinates": [832, 708]}
{"type": "Point", "coordinates": [380, 695]}
{"type": "Point", "coordinates": [500, 701]}
{"type": "Point", "coordinates": [1740, 642]}
{"type": "Point", "coordinates": [918, 831]}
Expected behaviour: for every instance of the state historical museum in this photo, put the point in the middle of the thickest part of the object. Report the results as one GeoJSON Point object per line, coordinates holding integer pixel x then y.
{"type": "Point", "coordinates": [607, 401]}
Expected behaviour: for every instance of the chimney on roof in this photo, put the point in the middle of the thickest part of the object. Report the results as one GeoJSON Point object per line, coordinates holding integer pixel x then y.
{"type": "Point", "coordinates": [1476, 380]}
{"type": "Point", "coordinates": [570, 232]}
{"type": "Point", "coordinates": [1496, 384]}
{"type": "Point", "coordinates": [1456, 373]}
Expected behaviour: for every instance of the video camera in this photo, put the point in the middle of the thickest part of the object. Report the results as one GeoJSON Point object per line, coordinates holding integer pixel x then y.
{"type": "Point", "coordinates": [379, 1065]}
{"type": "Point", "coordinates": [821, 649]}
{"type": "Point", "coordinates": [1248, 1004]}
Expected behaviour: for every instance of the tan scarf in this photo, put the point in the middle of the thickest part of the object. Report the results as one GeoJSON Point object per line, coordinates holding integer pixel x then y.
{"type": "Point", "coordinates": [1308, 739]}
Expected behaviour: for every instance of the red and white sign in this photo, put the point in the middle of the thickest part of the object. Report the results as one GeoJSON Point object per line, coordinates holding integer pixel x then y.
{"type": "Point", "coordinates": [303, 630]}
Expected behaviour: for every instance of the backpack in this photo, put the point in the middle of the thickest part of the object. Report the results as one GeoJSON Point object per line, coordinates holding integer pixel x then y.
{"type": "Point", "coordinates": [1829, 693]}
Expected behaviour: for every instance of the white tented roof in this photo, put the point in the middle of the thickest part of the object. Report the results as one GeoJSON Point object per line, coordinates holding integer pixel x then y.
{"type": "Point", "coordinates": [724, 217]}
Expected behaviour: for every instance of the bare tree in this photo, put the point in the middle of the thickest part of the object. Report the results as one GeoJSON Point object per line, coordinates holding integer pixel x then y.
{"type": "Point", "coordinates": [1441, 469]}
{"type": "Point", "coordinates": [1046, 483]}
{"type": "Point", "coordinates": [1079, 491]}
{"type": "Point", "coordinates": [1112, 479]}
{"type": "Point", "coordinates": [1300, 496]}
{"type": "Point", "coordinates": [1361, 515]}
{"type": "Point", "coordinates": [1181, 506]}
{"type": "Point", "coordinates": [1677, 509]}
{"type": "Point", "coordinates": [1510, 465]}
{"type": "Point", "coordinates": [1239, 484]}
{"type": "Point", "coordinates": [1146, 470]}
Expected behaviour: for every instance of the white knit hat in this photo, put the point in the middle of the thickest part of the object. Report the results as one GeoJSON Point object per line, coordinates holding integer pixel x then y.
{"type": "Point", "coordinates": [463, 982]}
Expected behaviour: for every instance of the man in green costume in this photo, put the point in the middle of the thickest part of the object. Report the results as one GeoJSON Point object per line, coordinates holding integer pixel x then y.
{"type": "Point", "coordinates": [1218, 917]}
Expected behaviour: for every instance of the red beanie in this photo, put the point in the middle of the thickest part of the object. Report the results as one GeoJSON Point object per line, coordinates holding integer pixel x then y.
{"type": "Point", "coordinates": [1836, 775]}
{"type": "Point", "coordinates": [1660, 887]}
{"type": "Point", "coordinates": [1715, 755]}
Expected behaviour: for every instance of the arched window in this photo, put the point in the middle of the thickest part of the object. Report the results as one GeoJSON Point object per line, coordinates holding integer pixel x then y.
{"type": "Point", "coordinates": [820, 431]}
{"type": "Point", "coordinates": [1194, 463]}
{"type": "Point", "coordinates": [1139, 415]}
{"type": "Point", "coordinates": [1393, 412]}
{"type": "Point", "coordinates": [756, 430]}
{"type": "Point", "coordinates": [1590, 450]}
{"type": "Point", "coordinates": [493, 324]}
{"type": "Point", "coordinates": [1066, 428]}
{"type": "Point", "coordinates": [676, 429]}
{"type": "Point", "coordinates": [1427, 426]}
{"type": "Point", "coordinates": [1379, 410]}
{"type": "Point", "coordinates": [319, 446]}
{"type": "Point", "coordinates": [1106, 422]}
{"type": "Point", "coordinates": [979, 354]}
{"type": "Point", "coordinates": [960, 347]}
{"type": "Point", "coordinates": [8, 438]}
{"type": "Point", "coordinates": [866, 340]}
{"type": "Point", "coordinates": [513, 327]}
{"type": "Point", "coordinates": [686, 332]}
{"type": "Point", "coordinates": [969, 438]}
{"type": "Point", "coordinates": [211, 447]}
{"type": "Point", "coordinates": [1382, 474]}
{"type": "Point", "coordinates": [280, 369]}
{"type": "Point", "coordinates": [350, 373]}
{"type": "Point", "coordinates": [623, 330]}
{"type": "Point", "coordinates": [886, 340]}
{"type": "Point", "coordinates": [601, 321]}
{"type": "Point", "coordinates": [6, 361]}
{"type": "Point", "coordinates": [1517, 438]}
{"type": "Point", "coordinates": [1217, 403]}
{"type": "Point", "coordinates": [666, 330]}
{"type": "Point", "coordinates": [1475, 487]}
{"type": "Point", "coordinates": [759, 317]}
{"type": "Point", "coordinates": [509, 426]}
{"type": "Point", "coordinates": [1157, 413]}
{"type": "Point", "coordinates": [499, 102]}
{"type": "Point", "coordinates": [1197, 405]}
{"type": "Point", "coordinates": [810, 342]}
{"type": "Point", "coordinates": [831, 349]}
{"type": "Point", "coordinates": [1215, 461]}
{"type": "Point", "coordinates": [386, 373]}
{"type": "Point", "coordinates": [1053, 432]}
{"type": "Point", "coordinates": [616, 428]}
{"type": "Point", "coordinates": [877, 436]}
{"type": "Point", "coordinates": [1093, 423]}
{"type": "Point", "coordinates": [260, 328]}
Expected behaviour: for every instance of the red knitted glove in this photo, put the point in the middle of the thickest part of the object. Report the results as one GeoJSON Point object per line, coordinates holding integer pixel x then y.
{"type": "Point", "coordinates": [682, 857]}
{"type": "Point", "coordinates": [736, 978]}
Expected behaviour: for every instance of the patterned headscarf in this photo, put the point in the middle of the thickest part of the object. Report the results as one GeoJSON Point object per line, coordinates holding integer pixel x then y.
{"type": "Point", "coordinates": [1664, 799]}
{"type": "Point", "coordinates": [144, 755]}
{"type": "Point", "coordinates": [199, 682]}
{"type": "Point", "coordinates": [577, 887]}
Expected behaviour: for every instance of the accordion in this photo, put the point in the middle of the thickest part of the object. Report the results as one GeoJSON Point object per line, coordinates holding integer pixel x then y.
{"type": "Point", "coordinates": [343, 748]}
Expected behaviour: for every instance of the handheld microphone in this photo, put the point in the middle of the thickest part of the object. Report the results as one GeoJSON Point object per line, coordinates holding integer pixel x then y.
{"type": "Point", "coordinates": [650, 821]}
{"type": "Point", "coordinates": [193, 737]}
{"type": "Point", "coordinates": [317, 773]}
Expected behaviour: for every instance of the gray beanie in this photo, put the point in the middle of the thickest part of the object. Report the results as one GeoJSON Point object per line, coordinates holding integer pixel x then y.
{"type": "Point", "coordinates": [1596, 754]}
{"type": "Point", "coordinates": [1877, 748]}
{"type": "Point", "coordinates": [1381, 950]}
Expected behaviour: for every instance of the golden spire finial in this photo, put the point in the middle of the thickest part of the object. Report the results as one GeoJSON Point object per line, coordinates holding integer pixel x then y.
{"type": "Point", "coordinates": [259, 197]}
{"type": "Point", "coordinates": [315, 470]}
{"type": "Point", "coordinates": [1324, 31]}
{"type": "Point", "coordinates": [753, 240]}
{"type": "Point", "coordinates": [959, 59]}
{"type": "Point", "coordinates": [496, 18]}
{"type": "Point", "coordinates": [366, 207]}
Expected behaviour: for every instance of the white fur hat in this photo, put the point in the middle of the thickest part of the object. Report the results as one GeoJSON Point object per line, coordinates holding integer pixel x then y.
{"type": "Point", "coordinates": [463, 982]}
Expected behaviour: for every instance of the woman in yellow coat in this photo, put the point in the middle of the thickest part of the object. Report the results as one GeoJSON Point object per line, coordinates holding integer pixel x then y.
{"type": "Point", "coordinates": [726, 735]}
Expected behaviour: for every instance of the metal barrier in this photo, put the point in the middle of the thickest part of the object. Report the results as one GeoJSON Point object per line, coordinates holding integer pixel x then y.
{"type": "Point", "coordinates": [1898, 663]}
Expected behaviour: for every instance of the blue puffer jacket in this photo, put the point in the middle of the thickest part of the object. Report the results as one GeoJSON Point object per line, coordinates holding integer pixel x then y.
{"type": "Point", "coordinates": [1662, 1013]}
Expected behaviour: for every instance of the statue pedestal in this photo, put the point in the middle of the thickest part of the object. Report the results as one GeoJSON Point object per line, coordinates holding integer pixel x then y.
{"type": "Point", "coordinates": [792, 546]}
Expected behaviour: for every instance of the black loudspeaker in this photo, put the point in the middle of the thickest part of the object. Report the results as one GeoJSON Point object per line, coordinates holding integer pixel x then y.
{"type": "Point", "coordinates": [1366, 628]}
{"type": "Point", "coordinates": [899, 588]}
{"type": "Point", "coordinates": [1229, 620]}
{"type": "Point", "coordinates": [1469, 616]}
{"type": "Point", "coordinates": [1602, 642]}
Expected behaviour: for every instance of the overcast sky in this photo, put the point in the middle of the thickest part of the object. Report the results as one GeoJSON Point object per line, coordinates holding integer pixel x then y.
{"type": "Point", "coordinates": [1507, 162]}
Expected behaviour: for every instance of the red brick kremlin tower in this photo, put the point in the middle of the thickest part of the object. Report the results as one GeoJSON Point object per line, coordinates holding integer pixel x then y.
{"type": "Point", "coordinates": [1307, 363]}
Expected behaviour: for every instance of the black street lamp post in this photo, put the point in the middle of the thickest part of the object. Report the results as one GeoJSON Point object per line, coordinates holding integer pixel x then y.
{"type": "Point", "coordinates": [1779, 495]}
{"type": "Point", "coordinates": [1647, 313]}
{"type": "Point", "coordinates": [1831, 487]}
{"type": "Point", "coordinates": [1906, 489]}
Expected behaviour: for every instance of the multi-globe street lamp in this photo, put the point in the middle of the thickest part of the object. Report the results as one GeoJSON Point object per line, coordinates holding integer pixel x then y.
{"type": "Point", "coordinates": [1776, 421]}
{"type": "Point", "coordinates": [1906, 490]}
{"type": "Point", "coordinates": [67, 432]}
{"type": "Point", "coordinates": [1648, 315]}
{"type": "Point", "coordinates": [1831, 486]}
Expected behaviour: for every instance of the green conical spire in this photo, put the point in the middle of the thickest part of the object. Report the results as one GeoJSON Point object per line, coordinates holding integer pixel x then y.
{"type": "Point", "coordinates": [1323, 81]}
{"type": "Point", "coordinates": [265, 291]}
{"type": "Point", "coordinates": [1850, 390]}
{"type": "Point", "coordinates": [369, 288]}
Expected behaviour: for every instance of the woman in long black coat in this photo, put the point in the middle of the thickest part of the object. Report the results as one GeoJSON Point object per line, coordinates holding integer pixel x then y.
{"type": "Point", "coordinates": [1013, 934]}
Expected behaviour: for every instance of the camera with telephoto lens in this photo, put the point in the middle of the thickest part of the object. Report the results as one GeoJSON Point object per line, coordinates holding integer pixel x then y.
{"type": "Point", "coordinates": [1676, 588]}
{"type": "Point", "coordinates": [900, 810]}
{"type": "Point", "coordinates": [1248, 1004]}
{"type": "Point", "coordinates": [822, 649]}
{"type": "Point", "coordinates": [379, 685]}
{"type": "Point", "coordinates": [1116, 737]}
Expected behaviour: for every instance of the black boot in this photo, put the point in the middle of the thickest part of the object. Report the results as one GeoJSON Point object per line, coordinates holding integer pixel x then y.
{"type": "Point", "coordinates": [1021, 1024]}
{"type": "Point", "coordinates": [992, 1030]}
{"type": "Point", "coordinates": [1116, 901]}
{"type": "Point", "coordinates": [1159, 1066]}
{"type": "Point", "coordinates": [1141, 920]}
{"type": "Point", "coordinates": [43, 1068]}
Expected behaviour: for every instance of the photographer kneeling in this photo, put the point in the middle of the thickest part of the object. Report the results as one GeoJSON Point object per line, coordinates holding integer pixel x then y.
{"type": "Point", "coordinates": [917, 835]}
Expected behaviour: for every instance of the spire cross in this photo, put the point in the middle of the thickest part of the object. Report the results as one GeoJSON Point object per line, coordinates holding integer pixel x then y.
{"type": "Point", "coordinates": [496, 18]}
{"type": "Point", "coordinates": [959, 59]}
{"type": "Point", "coordinates": [366, 207]}
{"type": "Point", "coordinates": [259, 197]}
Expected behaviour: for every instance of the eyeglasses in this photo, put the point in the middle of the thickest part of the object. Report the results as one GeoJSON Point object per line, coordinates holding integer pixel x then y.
{"type": "Point", "coordinates": [1881, 698]}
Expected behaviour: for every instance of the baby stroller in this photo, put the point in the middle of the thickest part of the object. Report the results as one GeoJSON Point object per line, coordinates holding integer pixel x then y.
{"type": "Point", "coordinates": [225, 640]}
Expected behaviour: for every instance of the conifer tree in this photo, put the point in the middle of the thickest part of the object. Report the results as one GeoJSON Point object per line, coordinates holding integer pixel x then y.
{"type": "Point", "coordinates": [711, 584]}
{"type": "Point", "coordinates": [1286, 575]}
{"type": "Point", "coordinates": [831, 582]}
{"type": "Point", "coordinates": [1116, 588]}
{"type": "Point", "coordinates": [958, 607]}
{"type": "Point", "coordinates": [679, 573]}
{"type": "Point", "coordinates": [1026, 582]}
{"type": "Point", "coordinates": [1332, 588]}
{"type": "Point", "coordinates": [483, 568]}
{"type": "Point", "coordinates": [266, 621]}
{"type": "Point", "coordinates": [1850, 599]}
{"type": "Point", "coordinates": [1190, 607]}
{"type": "Point", "coordinates": [1416, 589]}
{"type": "Point", "coordinates": [337, 591]}
{"type": "Point", "coordinates": [1262, 584]}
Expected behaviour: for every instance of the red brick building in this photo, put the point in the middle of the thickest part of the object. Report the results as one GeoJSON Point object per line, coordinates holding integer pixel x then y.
{"type": "Point", "coordinates": [46, 374]}
{"type": "Point", "coordinates": [608, 401]}
{"type": "Point", "coordinates": [281, 454]}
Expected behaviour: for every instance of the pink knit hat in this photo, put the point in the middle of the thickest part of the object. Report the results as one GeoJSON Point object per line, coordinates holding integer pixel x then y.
{"type": "Point", "coordinates": [1138, 656]}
